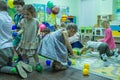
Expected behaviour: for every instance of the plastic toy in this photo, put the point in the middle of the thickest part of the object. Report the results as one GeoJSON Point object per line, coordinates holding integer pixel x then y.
{"type": "Point", "coordinates": [73, 62]}
{"type": "Point", "coordinates": [48, 62]}
{"type": "Point", "coordinates": [39, 68]}
{"type": "Point", "coordinates": [85, 72]}
{"type": "Point", "coordinates": [86, 66]}
{"type": "Point", "coordinates": [69, 63]}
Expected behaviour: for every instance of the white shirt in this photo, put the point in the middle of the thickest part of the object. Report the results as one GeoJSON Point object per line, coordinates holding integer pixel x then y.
{"type": "Point", "coordinates": [93, 44]}
{"type": "Point", "coordinates": [5, 30]}
{"type": "Point", "coordinates": [74, 38]}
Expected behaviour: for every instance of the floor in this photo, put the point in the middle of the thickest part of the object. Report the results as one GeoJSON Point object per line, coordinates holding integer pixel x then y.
{"type": "Point", "coordinates": [48, 74]}
{"type": "Point", "coordinates": [72, 73]}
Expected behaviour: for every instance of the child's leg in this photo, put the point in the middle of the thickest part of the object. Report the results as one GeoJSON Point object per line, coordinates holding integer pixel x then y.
{"type": "Point", "coordinates": [8, 69]}
{"type": "Point", "coordinates": [38, 66]}
{"type": "Point", "coordinates": [15, 43]}
{"type": "Point", "coordinates": [102, 51]}
{"type": "Point", "coordinates": [20, 58]}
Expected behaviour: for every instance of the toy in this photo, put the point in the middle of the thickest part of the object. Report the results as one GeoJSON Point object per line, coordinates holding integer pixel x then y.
{"type": "Point", "coordinates": [39, 68]}
{"type": "Point", "coordinates": [73, 62]}
{"type": "Point", "coordinates": [48, 62]}
{"type": "Point", "coordinates": [85, 72]}
{"type": "Point", "coordinates": [69, 63]}
{"type": "Point", "coordinates": [14, 34]}
{"type": "Point", "coordinates": [86, 66]}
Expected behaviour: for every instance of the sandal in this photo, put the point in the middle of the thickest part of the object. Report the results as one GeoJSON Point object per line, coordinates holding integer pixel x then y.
{"type": "Point", "coordinates": [21, 71]}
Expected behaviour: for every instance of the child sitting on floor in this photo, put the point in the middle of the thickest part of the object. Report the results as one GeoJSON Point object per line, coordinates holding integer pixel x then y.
{"type": "Point", "coordinates": [102, 48]}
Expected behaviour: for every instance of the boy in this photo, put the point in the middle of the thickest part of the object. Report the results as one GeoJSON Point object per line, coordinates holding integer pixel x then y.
{"type": "Point", "coordinates": [6, 46]}
{"type": "Point", "coordinates": [17, 18]}
{"type": "Point", "coordinates": [102, 48]}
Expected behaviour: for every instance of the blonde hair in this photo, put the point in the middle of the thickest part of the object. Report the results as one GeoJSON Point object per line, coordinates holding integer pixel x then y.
{"type": "Point", "coordinates": [105, 24]}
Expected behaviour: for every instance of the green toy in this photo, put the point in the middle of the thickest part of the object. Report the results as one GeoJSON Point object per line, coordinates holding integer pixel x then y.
{"type": "Point", "coordinates": [39, 68]}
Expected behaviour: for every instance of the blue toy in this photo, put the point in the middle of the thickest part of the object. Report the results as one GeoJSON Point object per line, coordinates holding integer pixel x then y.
{"type": "Point", "coordinates": [14, 34]}
{"type": "Point", "coordinates": [69, 63]}
{"type": "Point", "coordinates": [48, 62]}
{"type": "Point", "coordinates": [14, 27]}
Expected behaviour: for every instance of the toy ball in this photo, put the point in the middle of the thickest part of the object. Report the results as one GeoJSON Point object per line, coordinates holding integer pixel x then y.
{"type": "Point", "coordinates": [48, 62]}
{"type": "Point", "coordinates": [73, 62]}
{"type": "Point", "coordinates": [69, 63]}
{"type": "Point", "coordinates": [39, 68]}
{"type": "Point", "coordinates": [86, 66]}
{"type": "Point", "coordinates": [14, 27]}
{"type": "Point", "coordinates": [55, 10]}
{"type": "Point", "coordinates": [42, 27]}
{"type": "Point", "coordinates": [85, 72]}
{"type": "Point", "coordinates": [14, 34]}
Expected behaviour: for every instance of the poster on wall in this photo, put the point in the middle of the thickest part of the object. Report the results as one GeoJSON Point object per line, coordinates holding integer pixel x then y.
{"type": "Point", "coordinates": [63, 11]}
{"type": "Point", "coordinates": [40, 9]}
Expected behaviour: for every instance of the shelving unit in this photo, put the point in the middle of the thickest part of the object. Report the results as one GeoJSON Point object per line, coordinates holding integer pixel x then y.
{"type": "Point", "coordinates": [68, 19]}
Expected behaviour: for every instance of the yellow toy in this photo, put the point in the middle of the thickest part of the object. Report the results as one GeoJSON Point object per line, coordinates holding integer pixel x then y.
{"type": "Point", "coordinates": [73, 62]}
{"type": "Point", "coordinates": [86, 66]}
{"type": "Point", "coordinates": [85, 72]}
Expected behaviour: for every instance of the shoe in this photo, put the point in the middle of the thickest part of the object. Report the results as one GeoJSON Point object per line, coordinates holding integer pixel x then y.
{"type": "Point", "coordinates": [103, 57]}
{"type": "Point", "coordinates": [26, 67]}
{"type": "Point", "coordinates": [57, 66]}
{"type": "Point", "coordinates": [21, 71]}
{"type": "Point", "coordinates": [115, 52]}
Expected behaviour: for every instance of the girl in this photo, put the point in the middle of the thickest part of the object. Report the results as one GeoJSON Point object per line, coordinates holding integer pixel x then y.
{"type": "Point", "coordinates": [55, 44]}
{"type": "Point", "coordinates": [108, 38]}
{"type": "Point", "coordinates": [29, 30]}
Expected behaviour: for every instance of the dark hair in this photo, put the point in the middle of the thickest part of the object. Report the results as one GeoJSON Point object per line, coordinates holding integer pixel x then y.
{"type": "Point", "coordinates": [31, 9]}
{"type": "Point", "coordinates": [72, 26]}
{"type": "Point", "coordinates": [3, 5]}
{"type": "Point", "coordinates": [47, 30]}
{"type": "Point", "coordinates": [19, 2]}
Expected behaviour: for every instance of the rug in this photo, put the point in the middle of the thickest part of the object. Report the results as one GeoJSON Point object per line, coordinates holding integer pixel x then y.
{"type": "Point", "coordinates": [109, 69]}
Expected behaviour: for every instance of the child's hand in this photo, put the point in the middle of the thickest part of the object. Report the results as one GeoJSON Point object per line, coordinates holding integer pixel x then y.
{"type": "Point", "coordinates": [75, 56]}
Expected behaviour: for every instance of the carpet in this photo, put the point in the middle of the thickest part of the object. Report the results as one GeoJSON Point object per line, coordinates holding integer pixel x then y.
{"type": "Point", "coordinates": [109, 69]}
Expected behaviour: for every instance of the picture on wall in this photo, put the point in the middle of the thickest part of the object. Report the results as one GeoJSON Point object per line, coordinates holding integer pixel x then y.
{"type": "Point", "coordinates": [40, 9]}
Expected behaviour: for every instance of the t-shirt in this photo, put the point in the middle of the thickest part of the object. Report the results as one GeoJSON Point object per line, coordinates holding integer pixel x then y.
{"type": "Point", "coordinates": [93, 44]}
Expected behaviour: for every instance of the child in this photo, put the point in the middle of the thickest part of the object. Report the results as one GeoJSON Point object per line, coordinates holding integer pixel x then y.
{"type": "Point", "coordinates": [6, 46]}
{"type": "Point", "coordinates": [29, 30]}
{"type": "Point", "coordinates": [44, 32]}
{"type": "Point", "coordinates": [55, 44]}
{"type": "Point", "coordinates": [102, 48]}
{"type": "Point", "coordinates": [75, 41]}
{"type": "Point", "coordinates": [108, 38]}
{"type": "Point", "coordinates": [18, 4]}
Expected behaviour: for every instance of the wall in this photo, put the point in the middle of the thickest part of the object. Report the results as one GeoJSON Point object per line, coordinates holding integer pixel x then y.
{"type": "Point", "coordinates": [72, 4]}
{"type": "Point", "coordinates": [89, 9]}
